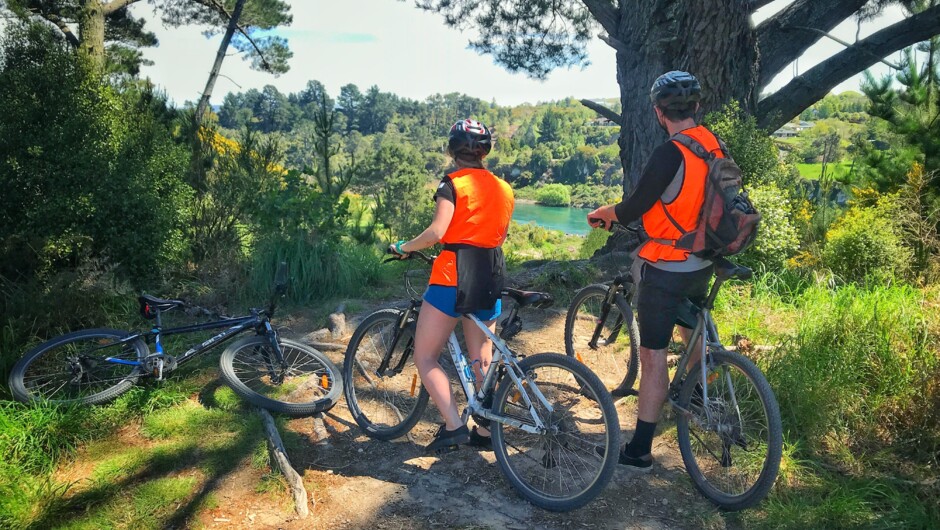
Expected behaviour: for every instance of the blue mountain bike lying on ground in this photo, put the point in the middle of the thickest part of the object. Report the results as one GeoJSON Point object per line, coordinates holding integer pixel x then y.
{"type": "Point", "coordinates": [96, 365]}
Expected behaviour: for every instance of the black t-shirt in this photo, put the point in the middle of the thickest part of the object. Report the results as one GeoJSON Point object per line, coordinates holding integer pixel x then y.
{"type": "Point", "coordinates": [446, 191]}
{"type": "Point", "coordinates": [659, 172]}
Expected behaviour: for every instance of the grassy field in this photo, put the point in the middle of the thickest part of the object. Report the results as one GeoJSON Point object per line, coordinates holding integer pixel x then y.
{"type": "Point", "coordinates": [839, 171]}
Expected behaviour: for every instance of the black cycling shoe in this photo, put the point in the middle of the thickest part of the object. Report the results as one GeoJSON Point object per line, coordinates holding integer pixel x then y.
{"type": "Point", "coordinates": [478, 440]}
{"type": "Point", "coordinates": [637, 464]}
{"type": "Point", "coordinates": [446, 440]}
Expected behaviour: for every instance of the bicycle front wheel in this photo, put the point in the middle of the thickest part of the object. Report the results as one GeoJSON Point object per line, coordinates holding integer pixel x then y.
{"type": "Point", "coordinates": [567, 464]}
{"type": "Point", "coordinates": [89, 366]}
{"type": "Point", "coordinates": [604, 337]}
{"type": "Point", "coordinates": [731, 446]}
{"type": "Point", "coordinates": [385, 404]}
{"type": "Point", "coordinates": [306, 383]}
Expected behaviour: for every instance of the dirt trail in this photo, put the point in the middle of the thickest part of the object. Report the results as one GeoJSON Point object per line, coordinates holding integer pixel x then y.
{"type": "Point", "coordinates": [358, 482]}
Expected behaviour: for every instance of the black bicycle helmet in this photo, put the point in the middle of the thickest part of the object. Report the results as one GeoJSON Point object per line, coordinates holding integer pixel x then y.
{"type": "Point", "coordinates": [469, 138]}
{"type": "Point", "coordinates": [675, 90]}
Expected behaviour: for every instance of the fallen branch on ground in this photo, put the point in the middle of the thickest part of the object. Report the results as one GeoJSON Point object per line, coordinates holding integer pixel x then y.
{"type": "Point", "coordinates": [279, 459]}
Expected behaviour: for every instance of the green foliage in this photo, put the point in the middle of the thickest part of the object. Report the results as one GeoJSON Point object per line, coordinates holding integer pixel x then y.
{"type": "Point", "coordinates": [913, 110]}
{"type": "Point", "coordinates": [399, 185]}
{"type": "Point", "coordinates": [554, 195]}
{"type": "Point", "coordinates": [594, 241]}
{"type": "Point", "coordinates": [319, 270]}
{"type": "Point", "coordinates": [777, 238]}
{"type": "Point", "coordinates": [865, 244]}
{"type": "Point", "coordinates": [752, 149]}
{"type": "Point", "coordinates": [527, 241]}
{"type": "Point", "coordinates": [103, 160]}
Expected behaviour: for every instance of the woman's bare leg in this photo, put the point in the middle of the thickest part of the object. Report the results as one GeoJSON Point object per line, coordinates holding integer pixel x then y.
{"type": "Point", "coordinates": [479, 348]}
{"type": "Point", "coordinates": [434, 327]}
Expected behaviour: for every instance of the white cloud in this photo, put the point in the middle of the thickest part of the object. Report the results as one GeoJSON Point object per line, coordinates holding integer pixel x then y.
{"type": "Point", "coordinates": [405, 51]}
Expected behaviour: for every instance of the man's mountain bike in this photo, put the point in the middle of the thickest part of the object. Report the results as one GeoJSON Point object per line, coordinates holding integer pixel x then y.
{"type": "Point", "coordinates": [728, 420]}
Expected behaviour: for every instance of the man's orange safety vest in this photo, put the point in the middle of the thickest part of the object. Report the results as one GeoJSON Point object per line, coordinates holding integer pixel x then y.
{"type": "Point", "coordinates": [685, 208]}
{"type": "Point", "coordinates": [483, 205]}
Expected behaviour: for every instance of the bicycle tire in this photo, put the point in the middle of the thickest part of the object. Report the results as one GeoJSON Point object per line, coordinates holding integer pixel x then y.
{"type": "Point", "coordinates": [393, 411]}
{"type": "Point", "coordinates": [26, 386]}
{"type": "Point", "coordinates": [529, 460]}
{"type": "Point", "coordinates": [616, 364]}
{"type": "Point", "coordinates": [699, 456]}
{"type": "Point", "coordinates": [312, 383]}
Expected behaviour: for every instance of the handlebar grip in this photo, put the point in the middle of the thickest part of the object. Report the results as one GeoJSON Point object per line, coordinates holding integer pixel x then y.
{"type": "Point", "coordinates": [600, 222]}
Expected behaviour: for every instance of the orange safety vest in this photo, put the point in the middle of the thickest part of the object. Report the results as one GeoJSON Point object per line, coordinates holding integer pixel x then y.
{"type": "Point", "coordinates": [483, 206]}
{"type": "Point", "coordinates": [685, 208]}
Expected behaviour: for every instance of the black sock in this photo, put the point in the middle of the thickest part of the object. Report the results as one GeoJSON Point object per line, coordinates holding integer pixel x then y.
{"type": "Point", "coordinates": [642, 442]}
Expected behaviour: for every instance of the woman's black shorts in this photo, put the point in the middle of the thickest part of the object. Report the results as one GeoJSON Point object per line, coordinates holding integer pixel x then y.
{"type": "Point", "coordinates": [659, 297]}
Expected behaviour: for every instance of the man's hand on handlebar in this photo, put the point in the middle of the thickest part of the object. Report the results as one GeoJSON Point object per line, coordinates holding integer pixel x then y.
{"type": "Point", "coordinates": [603, 217]}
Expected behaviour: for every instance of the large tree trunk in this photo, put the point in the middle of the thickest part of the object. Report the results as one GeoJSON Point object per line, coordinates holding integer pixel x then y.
{"type": "Point", "coordinates": [712, 39]}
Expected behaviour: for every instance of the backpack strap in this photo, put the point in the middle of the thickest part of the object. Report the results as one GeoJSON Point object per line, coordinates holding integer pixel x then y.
{"type": "Point", "coordinates": [693, 145]}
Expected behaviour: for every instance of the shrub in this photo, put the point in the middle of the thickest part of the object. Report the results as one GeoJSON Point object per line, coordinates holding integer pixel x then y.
{"type": "Point", "coordinates": [594, 241]}
{"type": "Point", "coordinates": [87, 170]}
{"type": "Point", "coordinates": [752, 149]}
{"type": "Point", "coordinates": [777, 236]}
{"type": "Point", "coordinates": [554, 195]}
{"type": "Point", "coordinates": [865, 243]}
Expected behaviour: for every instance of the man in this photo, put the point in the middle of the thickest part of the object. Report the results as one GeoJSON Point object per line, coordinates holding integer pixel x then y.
{"type": "Point", "coordinates": [670, 192]}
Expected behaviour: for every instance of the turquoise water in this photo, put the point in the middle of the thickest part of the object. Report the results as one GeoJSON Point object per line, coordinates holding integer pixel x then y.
{"type": "Point", "coordinates": [568, 220]}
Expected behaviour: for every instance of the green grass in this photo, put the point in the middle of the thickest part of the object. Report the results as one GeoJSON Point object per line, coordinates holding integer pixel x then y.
{"type": "Point", "coordinates": [853, 371]}
{"type": "Point", "coordinates": [839, 171]}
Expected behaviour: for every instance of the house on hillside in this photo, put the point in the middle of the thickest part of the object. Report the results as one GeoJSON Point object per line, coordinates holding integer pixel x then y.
{"type": "Point", "coordinates": [791, 130]}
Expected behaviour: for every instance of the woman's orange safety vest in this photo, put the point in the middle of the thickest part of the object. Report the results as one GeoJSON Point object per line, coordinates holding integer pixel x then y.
{"type": "Point", "coordinates": [685, 208]}
{"type": "Point", "coordinates": [483, 206]}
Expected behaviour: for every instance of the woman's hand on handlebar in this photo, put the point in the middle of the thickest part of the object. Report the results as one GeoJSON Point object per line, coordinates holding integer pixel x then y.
{"type": "Point", "coordinates": [395, 250]}
{"type": "Point", "coordinates": [603, 217]}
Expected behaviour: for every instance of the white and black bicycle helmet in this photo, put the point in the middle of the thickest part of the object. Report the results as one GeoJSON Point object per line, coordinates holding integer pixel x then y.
{"type": "Point", "coordinates": [676, 90]}
{"type": "Point", "coordinates": [469, 138]}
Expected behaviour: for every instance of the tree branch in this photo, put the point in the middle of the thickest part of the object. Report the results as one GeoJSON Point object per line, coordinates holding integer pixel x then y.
{"type": "Point", "coordinates": [603, 111]}
{"type": "Point", "coordinates": [848, 45]}
{"type": "Point", "coordinates": [605, 13]}
{"type": "Point", "coordinates": [114, 5]}
{"type": "Point", "coordinates": [241, 30]}
{"type": "Point", "coordinates": [781, 39]}
{"type": "Point", "coordinates": [757, 4]}
{"type": "Point", "coordinates": [780, 107]}
{"type": "Point", "coordinates": [57, 21]}
{"type": "Point", "coordinates": [615, 44]}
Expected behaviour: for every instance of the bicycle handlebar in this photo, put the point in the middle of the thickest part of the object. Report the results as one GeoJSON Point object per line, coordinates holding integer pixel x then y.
{"type": "Point", "coordinates": [415, 253]}
{"type": "Point", "coordinates": [614, 225]}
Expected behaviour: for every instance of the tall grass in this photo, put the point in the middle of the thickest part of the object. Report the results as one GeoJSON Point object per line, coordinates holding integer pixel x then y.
{"type": "Point", "coordinates": [855, 370]}
{"type": "Point", "coordinates": [317, 271]}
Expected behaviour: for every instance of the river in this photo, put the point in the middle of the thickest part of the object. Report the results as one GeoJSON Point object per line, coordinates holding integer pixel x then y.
{"type": "Point", "coordinates": [568, 220]}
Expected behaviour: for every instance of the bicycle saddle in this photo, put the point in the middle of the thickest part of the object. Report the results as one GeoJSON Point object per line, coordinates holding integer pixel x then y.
{"type": "Point", "coordinates": [156, 304]}
{"type": "Point", "coordinates": [529, 298]}
{"type": "Point", "coordinates": [724, 270]}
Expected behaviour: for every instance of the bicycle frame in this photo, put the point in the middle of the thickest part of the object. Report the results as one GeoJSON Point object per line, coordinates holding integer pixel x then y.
{"type": "Point", "coordinates": [235, 326]}
{"type": "Point", "coordinates": [502, 356]}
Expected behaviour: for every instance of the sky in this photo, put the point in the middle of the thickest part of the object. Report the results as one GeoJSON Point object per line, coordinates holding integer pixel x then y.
{"type": "Point", "coordinates": [410, 53]}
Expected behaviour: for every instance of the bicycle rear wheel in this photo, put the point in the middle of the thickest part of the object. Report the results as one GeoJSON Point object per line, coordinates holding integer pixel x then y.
{"type": "Point", "coordinates": [614, 357]}
{"type": "Point", "coordinates": [386, 405]}
{"type": "Point", "coordinates": [307, 383]}
{"type": "Point", "coordinates": [732, 451]}
{"type": "Point", "coordinates": [74, 368]}
{"type": "Point", "coordinates": [559, 469]}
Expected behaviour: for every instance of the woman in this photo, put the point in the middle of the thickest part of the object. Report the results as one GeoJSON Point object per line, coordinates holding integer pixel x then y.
{"type": "Point", "coordinates": [471, 218]}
